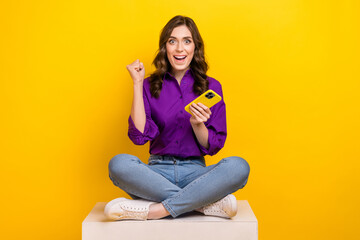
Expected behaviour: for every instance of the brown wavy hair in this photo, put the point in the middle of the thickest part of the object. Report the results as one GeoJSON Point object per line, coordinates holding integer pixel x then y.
{"type": "Point", "coordinates": [198, 64]}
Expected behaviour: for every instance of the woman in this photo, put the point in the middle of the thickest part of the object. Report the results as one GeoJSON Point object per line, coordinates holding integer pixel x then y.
{"type": "Point", "coordinates": [176, 179]}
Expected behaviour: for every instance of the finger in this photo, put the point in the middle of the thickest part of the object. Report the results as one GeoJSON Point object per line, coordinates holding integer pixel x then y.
{"type": "Point", "coordinates": [141, 66]}
{"type": "Point", "coordinates": [207, 110]}
{"type": "Point", "coordinates": [195, 111]}
{"type": "Point", "coordinates": [202, 111]}
{"type": "Point", "coordinates": [202, 105]}
{"type": "Point", "coordinates": [196, 106]}
{"type": "Point", "coordinates": [137, 66]}
{"type": "Point", "coordinates": [196, 117]}
{"type": "Point", "coordinates": [198, 114]}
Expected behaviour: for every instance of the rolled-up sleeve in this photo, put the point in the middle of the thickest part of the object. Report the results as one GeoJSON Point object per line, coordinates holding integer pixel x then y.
{"type": "Point", "coordinates": [216, 126]}
{"type": "Point", "coordinates": [151, 130]}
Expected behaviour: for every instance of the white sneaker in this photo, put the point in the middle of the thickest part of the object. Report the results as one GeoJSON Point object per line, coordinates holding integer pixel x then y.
{"type": "Point", "coordinates": [122, 208]}
{"type": "Point", "coordinates": [226, 207]}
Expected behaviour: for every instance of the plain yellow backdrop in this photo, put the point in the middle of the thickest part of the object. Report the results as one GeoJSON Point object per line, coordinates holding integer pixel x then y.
{"type": "Point", "coordinates": [291, 82]}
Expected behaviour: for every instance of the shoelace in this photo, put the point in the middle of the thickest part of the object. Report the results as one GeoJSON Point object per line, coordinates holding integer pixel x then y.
{"type": "Point", "coordinates": [134, 212]}
{"type": "Point", "coordinates": [216, 207]}
{"type": "Point", "coordinates": [129, 208]}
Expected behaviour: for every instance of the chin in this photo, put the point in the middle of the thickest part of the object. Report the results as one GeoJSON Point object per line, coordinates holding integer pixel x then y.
{"type": "Point", "coordinates": [180, 68]}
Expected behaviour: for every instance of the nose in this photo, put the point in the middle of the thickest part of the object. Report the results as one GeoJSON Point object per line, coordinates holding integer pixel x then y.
{"type": "Point", "coordinates": [179, 47]}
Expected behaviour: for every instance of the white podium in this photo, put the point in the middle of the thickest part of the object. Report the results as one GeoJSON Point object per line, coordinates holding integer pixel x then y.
{"type": "Point", "coordinates": [194, 225]}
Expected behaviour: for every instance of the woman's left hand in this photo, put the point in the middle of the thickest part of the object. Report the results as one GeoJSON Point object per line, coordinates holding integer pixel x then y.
{"type": "Point", "coordinates": [201, 113]}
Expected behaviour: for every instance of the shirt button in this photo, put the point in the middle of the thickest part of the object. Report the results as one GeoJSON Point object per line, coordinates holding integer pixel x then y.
{"type": "Point", "coordinates": [177, 142]}
{"type": "Point", "coordinates": [181, 111]}
{"type": "Point", "coordinates": [180, 97]}
{"type": "Point", "coordinates": [180, 126]}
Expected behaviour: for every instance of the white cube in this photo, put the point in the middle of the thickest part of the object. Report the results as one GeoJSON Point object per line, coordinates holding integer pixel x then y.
{"type": "Point", "coordinates": [194, 225]}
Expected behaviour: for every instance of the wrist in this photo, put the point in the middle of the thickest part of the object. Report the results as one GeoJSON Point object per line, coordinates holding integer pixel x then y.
{"type": "Point", "coordinates": [138, 84]}
{"type": "Point", "coordinates": [197, 124]}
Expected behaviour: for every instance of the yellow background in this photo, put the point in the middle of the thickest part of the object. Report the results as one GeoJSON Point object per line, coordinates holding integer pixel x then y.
{"type": "Point", "coordinates": [290, 76]}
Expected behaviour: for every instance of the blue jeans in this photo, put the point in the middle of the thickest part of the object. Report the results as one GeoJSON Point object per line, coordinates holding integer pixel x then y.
{"type": "Point", "coordinates": [180, 184]}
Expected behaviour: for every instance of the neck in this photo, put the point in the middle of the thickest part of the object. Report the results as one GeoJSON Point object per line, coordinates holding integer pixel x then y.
{"type": "Point", "coordinates": [179, 74]}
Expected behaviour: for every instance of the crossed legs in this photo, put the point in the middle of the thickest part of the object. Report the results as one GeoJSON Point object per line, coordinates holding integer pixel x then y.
{"type": "Point", "coordinates": [205, 186]}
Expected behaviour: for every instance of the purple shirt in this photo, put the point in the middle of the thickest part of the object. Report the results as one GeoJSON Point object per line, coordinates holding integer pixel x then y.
{"type": "Point", "coordinates": [168, 126]}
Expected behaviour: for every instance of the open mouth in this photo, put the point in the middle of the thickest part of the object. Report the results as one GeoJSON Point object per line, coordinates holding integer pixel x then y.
{"type": "Point", "coordinates": [180, 58]}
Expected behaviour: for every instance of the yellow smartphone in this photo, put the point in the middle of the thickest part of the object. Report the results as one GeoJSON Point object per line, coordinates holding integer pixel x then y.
{"type": "Point", "coordinates": [208, 98]}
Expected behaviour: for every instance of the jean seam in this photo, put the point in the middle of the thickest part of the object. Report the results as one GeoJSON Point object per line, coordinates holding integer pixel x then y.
{"type": "Point", "coordinates": [176, 175]}
{"type": "Point", "coordinates": [193, 182]}
{"type": "Point", "coordinates": [188, 177]}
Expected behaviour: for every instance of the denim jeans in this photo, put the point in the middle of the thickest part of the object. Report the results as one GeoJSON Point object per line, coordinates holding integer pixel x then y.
{"type": "Point", "coordinates": [180, 184]}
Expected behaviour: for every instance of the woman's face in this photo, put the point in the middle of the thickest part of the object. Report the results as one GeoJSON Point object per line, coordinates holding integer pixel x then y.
{"type": "Point", "coordinates": [180, 49]}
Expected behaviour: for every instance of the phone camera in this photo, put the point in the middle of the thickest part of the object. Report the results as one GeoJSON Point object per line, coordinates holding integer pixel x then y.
{"type": "Point", "coordinates": [209, 95]}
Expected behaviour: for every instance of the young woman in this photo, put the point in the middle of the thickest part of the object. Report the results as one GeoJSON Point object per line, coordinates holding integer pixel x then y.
{"type": "Point", "coordinates": [176, 179]}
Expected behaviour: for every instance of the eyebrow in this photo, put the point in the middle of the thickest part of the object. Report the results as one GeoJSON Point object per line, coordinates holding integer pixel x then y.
{"type": "Point", "coordinates": [183, 37]}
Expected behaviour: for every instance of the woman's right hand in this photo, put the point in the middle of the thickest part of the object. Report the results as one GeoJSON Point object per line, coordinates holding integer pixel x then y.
{"type": "Point", "coordinates": [137, 71]}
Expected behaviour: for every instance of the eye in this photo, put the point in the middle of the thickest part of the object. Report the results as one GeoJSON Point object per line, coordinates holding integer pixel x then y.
{"type": "Point", "coordinates": [187, 41]}
{"type": "Point", "coordinates": [171, 41]}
